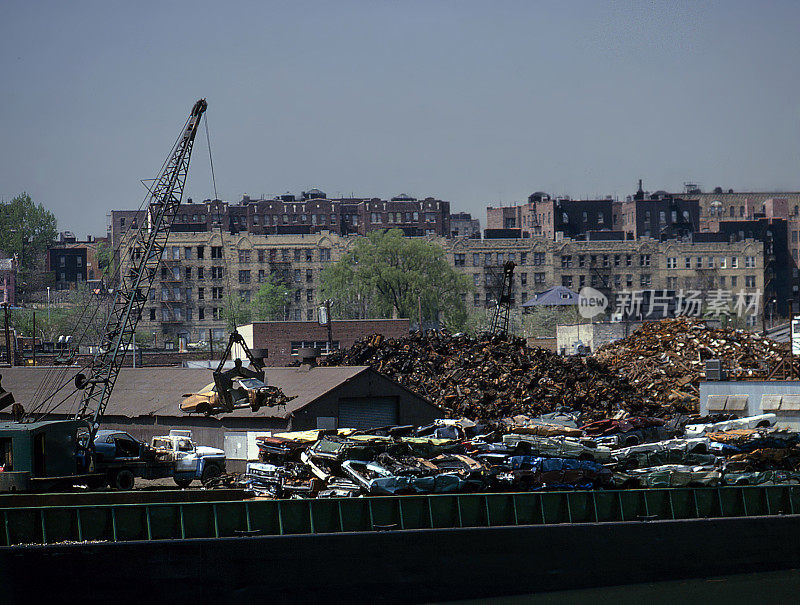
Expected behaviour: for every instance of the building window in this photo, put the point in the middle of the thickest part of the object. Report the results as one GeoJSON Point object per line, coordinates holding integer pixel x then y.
{"type": "Point", "coordinates": [476, 300]}
{"type": "Point", "coordinates": [538, 259]}
{"type": "Point", "coordinates": [217, 272]}
{"type": "Point", "coordinates": [644, 280]}
{"type": "Point", "coordinates": [201, 313]}
{"type": "Point", "coordinates": [188, 273]}
{"type": "Point", "coordinates": [749, 262]}
{"type": "Point", "coordinates": [687, 262]}
{"type": "Point", "coordinates": [523, 258]}
{"type": "Point", "coordinates": [187, 252]}
{"type": "Point", "coordinates": [644, 260]}
{"type": "Point", "coordinates": [244, 256]}
{"type": "Point", "coordinates": [476, 279]}
{"type": "Point", "coordinates": [324, 255]}
{"type": "Point", "coordinates": [672, 262]}
{"type": "Point", "coordinates": [310, 295]}
{"type": "Point", "coordinates": [629, 260]}
{"type": "Point", "coordinates": [523, 279]}
{"type": "Point", "coordinates": [216, 293]}
{"type": "Point", "coordinates": [201, 252]}
{"type": "Point", "coordinates": [566, 281]}
{"type": "Point", "coordinates": [297, 295]}
{"type": "Point", "coordinates": [309, 275]}
{"type": "Point", "coordinates": [734, 262]}
{"type": "Point", "coordinates": [459, 260]}
{"type": "Point", "coordinates": [699, 263]}
{"type": "Point", "coordinates": [152, 314]}
{"type": "Point", "coordinates": [629, 281]}
{"type": "Point", "coordinates": [749, 281]}
{"type": "Point", "coordinates": [476, 259]}
{"type": "Point", "coordinates": [581, 260]}
{"type": "Point", "coordinates": [296, 275]}
{"type": "Point", "coordinates": [538, 278]}
{"type": "Point", "coordinates": [200, 273]}
{"type": "Point", "coordinates": [216, 251]}
{"type": "Point", "coordinates": [310, 315]}
{"type": "Point", "coordinates": [244, 277]}
{"type": "Point", "coordinates": [566, 261]}
{"type": "Point", "coordinates": [215, 314]}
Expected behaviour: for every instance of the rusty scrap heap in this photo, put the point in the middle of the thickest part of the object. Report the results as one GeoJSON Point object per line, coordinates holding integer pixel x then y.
{"type": "Point", "coordinates": [494, 377]}
{"type": "Point", "coordinates": [665, 360]}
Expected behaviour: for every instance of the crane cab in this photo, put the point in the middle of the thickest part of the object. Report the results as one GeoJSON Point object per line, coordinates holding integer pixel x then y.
{"type": "Point", "coordinates": [38, 455]}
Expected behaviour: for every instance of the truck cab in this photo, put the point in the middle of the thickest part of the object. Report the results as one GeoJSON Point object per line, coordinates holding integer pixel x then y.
{"type": "Point", "coordinates": [191, 461]}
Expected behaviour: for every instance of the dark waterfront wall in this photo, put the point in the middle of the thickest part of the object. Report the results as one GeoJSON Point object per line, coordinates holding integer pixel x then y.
{"type": "Point", "coordinates": [399, 566]}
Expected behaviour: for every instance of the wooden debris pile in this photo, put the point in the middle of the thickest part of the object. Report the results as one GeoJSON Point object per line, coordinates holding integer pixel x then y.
{"type": "Point", "coordinates": [666, 359]}
{"type": "Point", "coordinates": [492, 377]}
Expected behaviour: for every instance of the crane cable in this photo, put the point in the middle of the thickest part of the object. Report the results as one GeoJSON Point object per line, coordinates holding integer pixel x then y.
{"type": "Point", "coordinates": [53, 376]}
{"type": "Point", "coordinates": [216, 198]}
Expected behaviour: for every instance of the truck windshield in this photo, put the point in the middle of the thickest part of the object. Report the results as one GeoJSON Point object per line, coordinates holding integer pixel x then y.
{"type": "Point", "coordinates": [184, 445]}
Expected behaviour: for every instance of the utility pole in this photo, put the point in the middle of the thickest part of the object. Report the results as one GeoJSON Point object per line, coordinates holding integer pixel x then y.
{"type": "Point", "coordinates": [330, 336]}
{"type": "Point", "coordinates": [9, 355]}
{"type": "Point", "coordinates": [33, 343]}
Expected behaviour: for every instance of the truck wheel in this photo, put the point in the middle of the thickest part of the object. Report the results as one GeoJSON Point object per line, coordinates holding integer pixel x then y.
{"type": "Point", "coordinates": [183, 482]}
{"type": "Point", "coordinates": [124, 480]}
{"type": "Point", "coordinates": [212, 471]}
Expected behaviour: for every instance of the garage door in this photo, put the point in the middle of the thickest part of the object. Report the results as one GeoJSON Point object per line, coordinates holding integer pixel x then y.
{"type": "Point", "coordinates": [367, 412]}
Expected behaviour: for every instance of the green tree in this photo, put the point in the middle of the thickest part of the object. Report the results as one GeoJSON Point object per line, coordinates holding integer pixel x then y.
{"type": "Point", "coordinates": [27, 229]}
{"type": "Point", "coordinates": [387, 274]}
{"type": "Point", "coordinates": [269, 301]}
{"type": "Point", "coordinates": [236, 311]}
{"type": "Point", "coordinates": [105, 260]}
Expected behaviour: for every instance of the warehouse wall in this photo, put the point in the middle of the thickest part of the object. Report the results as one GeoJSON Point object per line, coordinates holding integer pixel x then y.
{"type": "Point", "coordinates": [277, 336]}
{"type": "Point", "coordinates": [411, 408]}
{"type": "Point", "coordinates": [754, 390]}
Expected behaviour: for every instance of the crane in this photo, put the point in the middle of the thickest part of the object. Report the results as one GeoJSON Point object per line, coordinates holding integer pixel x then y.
{"type": "Point", "coordinates": [134, 286]}
{"type": "Point", "coordinates": [503, 309]}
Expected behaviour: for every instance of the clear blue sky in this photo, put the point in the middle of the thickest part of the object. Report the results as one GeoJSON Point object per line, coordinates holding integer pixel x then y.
{"type": "Point", "coordinates": [473, 102]}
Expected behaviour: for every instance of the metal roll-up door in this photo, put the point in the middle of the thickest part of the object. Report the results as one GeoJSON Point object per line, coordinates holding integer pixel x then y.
{"type": "Point", "coordinates": [367, 412]}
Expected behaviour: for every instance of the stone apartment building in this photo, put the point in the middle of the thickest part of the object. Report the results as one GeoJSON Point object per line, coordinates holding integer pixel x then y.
{"type": "Point", "coordinates": [199, 269]}
{"type": "Point", "coordinates": [610, 266]}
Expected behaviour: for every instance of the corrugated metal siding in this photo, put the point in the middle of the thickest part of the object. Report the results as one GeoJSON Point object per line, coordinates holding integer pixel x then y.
{"type": "Point", "coordinates": [367, 412]}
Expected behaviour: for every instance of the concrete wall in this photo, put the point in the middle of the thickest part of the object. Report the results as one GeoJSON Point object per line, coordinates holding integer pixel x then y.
{"type": "Point", "coordinates": [754, 390]}
{"type": "Point", "coordinates": [593, 335]}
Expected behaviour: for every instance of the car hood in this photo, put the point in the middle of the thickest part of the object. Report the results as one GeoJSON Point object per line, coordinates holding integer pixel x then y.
{"type": "Point", "coordinates": [204, 450]}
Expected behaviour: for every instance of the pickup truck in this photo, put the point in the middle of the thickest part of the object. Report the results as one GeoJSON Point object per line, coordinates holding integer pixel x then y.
{"type": "Point", "coordinates": [191, 461]}
{"type": "Point", "coordinates": [121, 458]}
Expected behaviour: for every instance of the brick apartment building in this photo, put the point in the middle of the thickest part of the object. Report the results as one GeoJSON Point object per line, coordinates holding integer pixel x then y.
{"type": "Point", "coordinates": [73, 262]}
{"type": "Point", "coordinates": [311, 212]}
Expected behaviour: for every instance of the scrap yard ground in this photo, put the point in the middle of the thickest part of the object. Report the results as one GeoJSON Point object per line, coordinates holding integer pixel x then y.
{"type": "Point", "coordinates": [537, 455]}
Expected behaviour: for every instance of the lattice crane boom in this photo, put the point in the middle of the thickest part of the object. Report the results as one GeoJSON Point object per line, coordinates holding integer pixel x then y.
{"type": "Point", "coordinates": [132, 291]}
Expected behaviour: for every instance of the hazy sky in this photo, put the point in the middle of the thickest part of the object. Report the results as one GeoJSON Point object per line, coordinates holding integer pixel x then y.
{"type": "Point", "coordinates": [472, 102]}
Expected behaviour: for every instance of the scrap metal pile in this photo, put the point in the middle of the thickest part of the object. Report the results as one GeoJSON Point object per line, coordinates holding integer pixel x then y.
{"type": "Point", "coordinates": [492, 377]}
{"type": "Point", "coordinates": [665, 360]}
{"type": "Point", "coordinates": [525, 454]}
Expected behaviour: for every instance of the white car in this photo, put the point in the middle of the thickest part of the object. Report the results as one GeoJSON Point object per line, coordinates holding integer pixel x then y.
{"type": "Point", "coordinates": [749, 422]}
{"type": "Point", "coordinates": [560, 447]}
